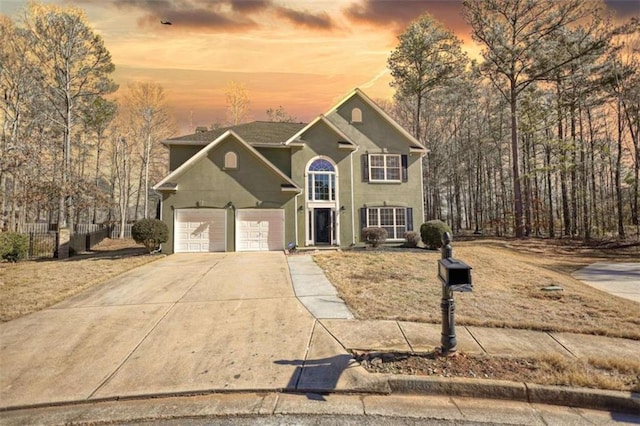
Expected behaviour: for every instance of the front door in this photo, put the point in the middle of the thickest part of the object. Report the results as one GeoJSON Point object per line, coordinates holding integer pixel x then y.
{"type": "Point", "coordinates": [322, 225]}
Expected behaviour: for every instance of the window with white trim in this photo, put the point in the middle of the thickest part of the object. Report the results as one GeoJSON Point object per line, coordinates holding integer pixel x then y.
{"type": "Point", "coordinates": [321, 181]}
{"type": "Point", "coordinates": [395, 220]}
{"type": "Point", "coordinates": [385, 168]}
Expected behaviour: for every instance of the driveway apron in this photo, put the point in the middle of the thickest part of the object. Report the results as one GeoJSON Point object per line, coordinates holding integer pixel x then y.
{"type": "Point", "coordinates": [185, 323]}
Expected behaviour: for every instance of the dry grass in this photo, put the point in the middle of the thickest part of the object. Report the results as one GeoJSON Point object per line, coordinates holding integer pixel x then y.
{"type": "Point", "coordinates": [558, 370]}
{"type": "Point", "coordinates": [401, 284]}
{"type": "Point", "coordinates": [27, 287]}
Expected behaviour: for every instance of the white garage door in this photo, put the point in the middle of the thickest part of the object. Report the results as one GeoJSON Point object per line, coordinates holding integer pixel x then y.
{"type": "Point", "coordinates": [200, 230]}
{"type": "Point", "coordinates": [259, 230]}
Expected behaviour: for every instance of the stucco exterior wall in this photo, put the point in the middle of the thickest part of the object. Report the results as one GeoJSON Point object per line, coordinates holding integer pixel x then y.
{"type": "Point", "coordinates": [179, 154]}
{"type": "Point", "coordinates": [376, 136]}
{"type": "Point", "coordinates": [279, 157]}
{"type": "Point", "coordinates": [208, 185]}
{"type": "Point", "coordinates": [322, 141]}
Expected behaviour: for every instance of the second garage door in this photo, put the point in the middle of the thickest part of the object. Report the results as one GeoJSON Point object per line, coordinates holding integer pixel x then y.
{"type": "Point", "coordinates": [200, 230]}
{"type": "Point", "coordinates": [259, 229]}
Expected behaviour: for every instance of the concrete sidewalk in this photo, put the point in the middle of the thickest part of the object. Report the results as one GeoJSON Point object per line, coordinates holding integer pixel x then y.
{"type": "Point", "coordinates": [321, 298]}
{"type": "Point", "coordinates": [410, 337]}
{"type": "Point", "coordinates": [314, 290]}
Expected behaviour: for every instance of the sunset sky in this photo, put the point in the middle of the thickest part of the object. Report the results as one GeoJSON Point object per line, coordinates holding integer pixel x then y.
{"type": "Point", "coordinates": [302, 54]}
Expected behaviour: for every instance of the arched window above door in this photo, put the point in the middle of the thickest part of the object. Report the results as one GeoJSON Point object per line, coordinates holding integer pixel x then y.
{"type": "Point", "coordinates": [321, 181]}
{"type": "Point", "coordinates": [321, 165]}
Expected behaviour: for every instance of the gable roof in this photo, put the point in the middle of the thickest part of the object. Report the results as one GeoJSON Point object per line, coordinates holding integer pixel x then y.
{"type": "Point", "coordinates": [257, 133]}
{"type": "Point", "coordinates": [166, 184]}
{"type": "Point", "coordinates": [321, 118]}
{"type": "Point", "coordinates": [416, 145]}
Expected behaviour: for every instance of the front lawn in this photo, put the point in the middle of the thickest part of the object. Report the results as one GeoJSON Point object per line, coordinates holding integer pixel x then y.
{"type": "Point", "coordinates": [30, 286]}
{"type": "Point", "coordinates": [508, 277]}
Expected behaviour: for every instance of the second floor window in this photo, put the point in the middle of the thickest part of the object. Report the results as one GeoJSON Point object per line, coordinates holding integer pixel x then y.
{"type": "Point", "coordinates": [385, 168]}
{"type": "Point", "coordinates": [322, 181]}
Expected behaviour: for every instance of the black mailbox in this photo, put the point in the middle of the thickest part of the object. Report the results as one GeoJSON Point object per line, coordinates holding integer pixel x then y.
{"type": "Point", "coordinates": [455, 274]}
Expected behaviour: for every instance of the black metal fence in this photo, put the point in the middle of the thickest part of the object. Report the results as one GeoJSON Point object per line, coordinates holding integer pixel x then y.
{"type": "Point", "coordinates": [42, 245]}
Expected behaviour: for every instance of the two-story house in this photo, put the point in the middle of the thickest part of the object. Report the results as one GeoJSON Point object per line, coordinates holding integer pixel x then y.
{"type": "Point", "coordinates": [270, 185]}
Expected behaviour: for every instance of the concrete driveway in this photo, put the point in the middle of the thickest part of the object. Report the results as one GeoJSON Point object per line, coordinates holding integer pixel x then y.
{"type": "Point", "coordinates": [619, 279]}
{"type": "Point", "coordinates": [185, 323]}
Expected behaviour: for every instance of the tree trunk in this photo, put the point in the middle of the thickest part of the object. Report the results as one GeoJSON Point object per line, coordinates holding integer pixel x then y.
{"type": "Point", "coordinates": [146, 177]}
{"type": "Point", "coordinates": [584, 184]}
{"type": "Point", "coordinates": [563, 170]}
{"type": "Point", "coordinates": [594, 199]}
{"type": "Point", "coordinates": [618, 172]}
{"type": "Point", "coordinates": [573, 173]}
{"type": "Point", "coordinates": [527, 185]}
{"type": "Point", "coordinates": [140, 183]}
{"type": "Point", "coordinates": [94, 218]}
{"type": "Point", "coordinates": [634, 130]}
{"type": "Point", "coordinates": [517, 193]}
{"type": "Point", "coordinates": [68, 197]}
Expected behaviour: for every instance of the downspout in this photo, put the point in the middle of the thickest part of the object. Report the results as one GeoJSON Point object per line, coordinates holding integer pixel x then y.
{"type": "Point", "coordinates": [353, 206]}
{"type": "Point", "coordinates": [422, 189]}
{"type": "Point", "coordinates": [161, 218]}
{"type": "Point", "coordinates": [295, 216]}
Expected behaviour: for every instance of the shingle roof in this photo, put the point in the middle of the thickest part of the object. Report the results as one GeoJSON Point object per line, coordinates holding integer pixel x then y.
{"type": "Point", "coordinates": [257, 132]}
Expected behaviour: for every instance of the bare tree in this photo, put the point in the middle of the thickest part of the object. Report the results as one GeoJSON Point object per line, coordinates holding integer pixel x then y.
{"type": "Point", "coordinates": [97, 117]}
{"type": "Point", "coordinates": [121, 153]}
{"type": "Point", "coordinates": [73, 64]}
{"type": "Point", "coordinates": [237, 102]}
{"type": "Point", "coordinates": [149, 120]}
{"type": "Point", "coordinates": [18, 84]}
{"type": "Point", "coordinates": [280, 115]}
{"type": "Point", "coordinates": [520, 37]}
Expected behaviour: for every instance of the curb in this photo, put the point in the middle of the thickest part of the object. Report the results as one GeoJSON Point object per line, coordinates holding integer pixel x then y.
{"type": "Point", "coordinates": [628, 402]}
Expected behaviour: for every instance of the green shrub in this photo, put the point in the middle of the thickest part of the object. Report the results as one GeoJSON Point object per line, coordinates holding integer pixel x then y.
{"type": "Point", "coordinates": [150, 232]}
{"type": "Point", "coordinates": [374, 236]}
{"type": "Point", "coordinates": [431, 233]}
{"type": "Point", "coordinates": [412, 238]}
{"type": "Point", "coordinates": [13, 246]}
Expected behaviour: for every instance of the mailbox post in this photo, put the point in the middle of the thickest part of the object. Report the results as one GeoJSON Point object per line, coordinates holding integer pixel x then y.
{"type": "Point", "coordinates": [455, 275]}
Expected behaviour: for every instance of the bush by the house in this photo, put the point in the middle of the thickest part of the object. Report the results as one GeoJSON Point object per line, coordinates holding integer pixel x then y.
{"type": "Point", "coordinates": [13, 246]}
{"type": "Point", "coordinates": [431, 233]}
{"type": "Point", "coordinates": [412, 238]}
{"type": "Point", "coordinates": [150, 232]}
{"type": "Point", "coordinates": [374, 236]}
